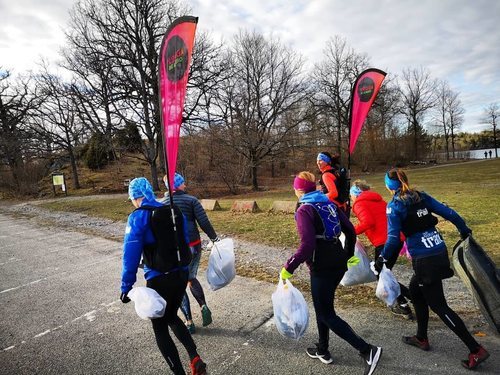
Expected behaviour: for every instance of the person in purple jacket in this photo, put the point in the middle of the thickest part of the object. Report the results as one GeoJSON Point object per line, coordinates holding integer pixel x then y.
{"type": "Point", "coordinates": [319, 225]}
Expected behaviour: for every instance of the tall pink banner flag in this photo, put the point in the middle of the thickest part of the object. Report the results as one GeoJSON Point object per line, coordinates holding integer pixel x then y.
{"type": "Point", "coordinates": [364, 92]}
{"type": "Point", "coordinates": [175, 59]}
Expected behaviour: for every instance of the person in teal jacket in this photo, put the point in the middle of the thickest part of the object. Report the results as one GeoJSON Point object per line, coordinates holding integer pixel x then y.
{"type": "Point", "coordinates": [150, 234]}
{"type": "Point", "coordinates": [410, 212]}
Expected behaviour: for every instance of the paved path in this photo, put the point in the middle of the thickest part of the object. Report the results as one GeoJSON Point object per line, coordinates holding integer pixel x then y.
{"type": "Point", "coordinates": [60, 314]}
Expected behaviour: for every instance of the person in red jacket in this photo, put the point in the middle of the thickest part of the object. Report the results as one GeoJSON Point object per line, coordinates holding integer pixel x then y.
{"type": "Point", "coordinates": [370, 209]}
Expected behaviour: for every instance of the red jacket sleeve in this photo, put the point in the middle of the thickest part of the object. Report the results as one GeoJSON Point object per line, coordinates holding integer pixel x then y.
{"type": "Point", "coordinates": [329, 181]}
{"type": "Point", "coordinates": [365, 219]}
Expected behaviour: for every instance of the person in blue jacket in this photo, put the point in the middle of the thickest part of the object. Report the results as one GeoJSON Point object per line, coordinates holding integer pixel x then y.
{"type": "Point", "coordinates": [150, 234]}
{"type": "Point", "coordinates": [410, 212]}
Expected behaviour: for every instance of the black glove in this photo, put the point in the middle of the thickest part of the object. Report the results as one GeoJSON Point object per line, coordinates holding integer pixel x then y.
{"type": "Point", "coordinates": [465, 235]}
{"type": "Point", "coordinates": [124, 298]}
{"type": "Point", "coordinates": [379, 263]}
{"type": "Point", "coordinates": [216, 239]}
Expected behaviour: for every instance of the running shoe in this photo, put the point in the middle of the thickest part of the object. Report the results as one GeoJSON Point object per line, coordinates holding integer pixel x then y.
{"type": "Point", "coordinates": [191, 328]}
{"type": "Point", "coordinates": [475, 358]}
{"type": "Point", "coordinates": [198, 367]}
{"type": "Point", "coordinates": [415, 341]}
{"type": "Point", "coordinates": [371, 359]}
{"type": "Point", "coordinates": [323, 356]}
{"type": "Point", "coordinates": [402, 310]}
{"type": "Point", "coordinates": [206, 315]}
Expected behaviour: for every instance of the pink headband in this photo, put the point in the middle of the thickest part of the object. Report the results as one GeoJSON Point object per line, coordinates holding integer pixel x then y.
{"type": "Point", "coordinates": [305, 185]}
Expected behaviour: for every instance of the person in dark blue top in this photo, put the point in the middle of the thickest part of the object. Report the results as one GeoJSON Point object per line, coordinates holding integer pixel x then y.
{"type": "Point", "coordinates": [150, 234]}
{"type": "Point", "coordinates": [411, 212]}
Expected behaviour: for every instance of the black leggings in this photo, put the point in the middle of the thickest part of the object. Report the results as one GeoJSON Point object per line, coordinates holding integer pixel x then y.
{"type": "Point", "coordinates": [431, 295]}
{"type": "Point", "coordinates": [323, 294]}
{"type": "Point", "coordinates": [172, 287]}
{"type": "Point", "coordinates": [405, 292]}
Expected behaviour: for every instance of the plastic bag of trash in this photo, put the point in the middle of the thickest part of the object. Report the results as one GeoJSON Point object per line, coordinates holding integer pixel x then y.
{"type": "Point", "coordinates": [291, 314]}
{"type": "Point", "coordinates": [388, 289]}
{"type": "Point", "coordinates": [148, 303]}
{"type": "Point", "coordinates": [359, 273]}
{"type": "Point", "coordinates": [221, 264]}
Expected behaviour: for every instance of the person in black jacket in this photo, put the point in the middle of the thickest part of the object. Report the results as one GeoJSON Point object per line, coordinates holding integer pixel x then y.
{"type": "Point", "coordinates": [195, 215]}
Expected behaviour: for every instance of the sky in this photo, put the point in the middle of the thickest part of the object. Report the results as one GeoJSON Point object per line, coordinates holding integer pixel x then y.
{"type": "Point", "coordinates": [456, 40]}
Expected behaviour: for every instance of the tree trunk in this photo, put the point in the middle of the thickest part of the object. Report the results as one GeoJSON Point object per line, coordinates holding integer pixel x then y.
{"type": "Point", "coordinates": [154, 176]}
{"type": "Point", "coordinates": [74, 170]}
{"type": "Point", "coordinates": [255, 184]}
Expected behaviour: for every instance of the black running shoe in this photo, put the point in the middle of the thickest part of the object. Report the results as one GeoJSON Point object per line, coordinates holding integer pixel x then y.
{"type": "Point", "coordinates": [371, 359]}
{"type": "Point", "coordinates": [323, 356]}
{"type": "Point", "coordinates": [402, 310]}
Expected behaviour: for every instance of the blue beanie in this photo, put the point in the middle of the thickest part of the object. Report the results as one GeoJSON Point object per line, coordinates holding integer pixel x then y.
{"type": "Point", "coordinates": [356, 191]}
{"type": "Point", "coordinates": [391, 184]}
{"type": "Point", "coordinates": [140, 187]}
{"type": "Point", "coordinates": [178, 180]}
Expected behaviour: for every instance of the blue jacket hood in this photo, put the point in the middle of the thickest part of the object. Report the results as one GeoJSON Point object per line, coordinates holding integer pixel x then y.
{"type": "Point", "coordinates": [315, 196]}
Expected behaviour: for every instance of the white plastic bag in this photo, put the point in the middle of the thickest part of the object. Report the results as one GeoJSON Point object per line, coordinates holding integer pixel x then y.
{"type": "Point", "coordinates": [148, 303]}
{"type": "Point", "coordinates": [291, 314]}
{"type": "Point", "coordinates": [221, 264]}
{"type": "Point", "coordinates": [361, 272]}
{"type": "Point", "coordinates": [388, 289]}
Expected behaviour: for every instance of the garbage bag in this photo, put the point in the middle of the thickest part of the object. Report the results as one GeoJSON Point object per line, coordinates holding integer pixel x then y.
{"type": "Point", "coordinates": [481, 276]}
{"type": "Point", "coordinates": [291, 314]}
{"type": "Point", "coordinates": [148, 303]}
{"type": "Point", "coordinates": [221, 264]}
{"type": "Point", "coordinates": [388, 289]}
{"type": "Point", "coordinates": [361, 272]}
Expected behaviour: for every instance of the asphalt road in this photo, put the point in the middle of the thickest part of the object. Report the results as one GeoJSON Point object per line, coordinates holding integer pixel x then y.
{"type": "Point", "coordinates": [60, 314]}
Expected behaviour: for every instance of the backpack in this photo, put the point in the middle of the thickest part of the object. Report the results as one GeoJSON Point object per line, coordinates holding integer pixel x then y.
{"type": "Point", "coordinates": [170, 249]}
{"type": "Point", "coordinates": [330, 219]}
{"type": "Point", "coordinates": [342, 184]}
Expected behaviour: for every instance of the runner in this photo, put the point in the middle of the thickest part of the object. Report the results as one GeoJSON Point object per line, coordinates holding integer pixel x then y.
{"type": "Point", "coordinates": [148, 234]}
{"type": "Point", "coordinates": [319, 224]}
{"type": "Point", "coordinates": [369, 207]}
{"type": "Point", "coordinates": [410, 212]}
{"type": "Point", "coordinates": [194, 214]}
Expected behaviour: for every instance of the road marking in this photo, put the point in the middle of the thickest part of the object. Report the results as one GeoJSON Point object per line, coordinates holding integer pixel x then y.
{"type": "Point", "coordinates": [42, 334]}
{"type": "Point", "coordinates": [76, 268]}
{"type": "Point", "coordinates": [22, 286]}
{"type": "Point", "coordinates": [89, 316]}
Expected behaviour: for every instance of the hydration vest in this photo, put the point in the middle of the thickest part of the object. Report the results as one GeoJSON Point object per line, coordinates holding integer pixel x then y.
{"type": "Point", "coordinates": [418, 219]}
{"type": "Point", "coordinates": [330, 219]}
{"type": "Point", "coordinates": [341, 183]}
{"type": "Point", "coordinates": [170, 250]}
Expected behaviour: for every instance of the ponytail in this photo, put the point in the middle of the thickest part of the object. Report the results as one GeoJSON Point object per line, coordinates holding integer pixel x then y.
{"type": "Point", "coordinates": [405, 191]}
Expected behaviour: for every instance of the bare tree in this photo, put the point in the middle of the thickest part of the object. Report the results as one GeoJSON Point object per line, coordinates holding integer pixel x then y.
{"type": "Point", "coordinates": [491, 115]}
{"type": "Point", "coordinates": [264, 86]}
{"type": "Point", "coordinates": [442, 99]}
{"type": "Point", "coordinates": [17, 102]}
{"type": "Point", "coordinates": [456, 112]}
{"type": "Point", "coordinates": [417, 89]}
{"type": "Point", "coordinates": [125, 36]}
{"type": "Point", "coordinates": [334, 77]}
{"type": "Point", "coordinates": [56, 117]}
